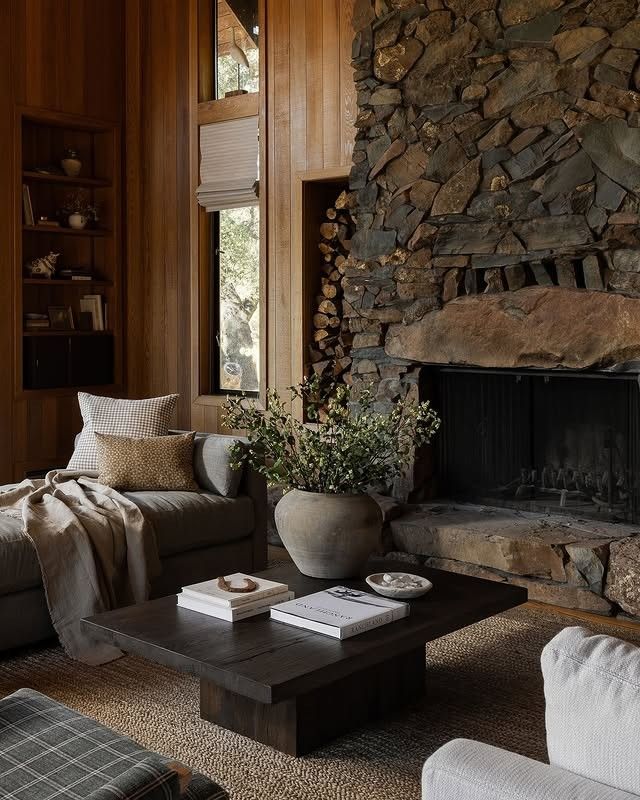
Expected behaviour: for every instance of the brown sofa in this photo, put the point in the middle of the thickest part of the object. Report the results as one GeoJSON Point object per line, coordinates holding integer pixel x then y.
{"type": "Point", "coordinates": [199, 535]}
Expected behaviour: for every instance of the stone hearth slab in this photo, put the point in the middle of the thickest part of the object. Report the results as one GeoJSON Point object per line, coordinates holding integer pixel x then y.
{"type": "Point", "coordinates": [543, 591]}
{"type": "Point", "coordinates": [557, 548]}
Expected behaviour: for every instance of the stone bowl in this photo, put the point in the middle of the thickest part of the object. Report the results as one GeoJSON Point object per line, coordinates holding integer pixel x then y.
{"type": "Point", "coordinates": [398, 593]}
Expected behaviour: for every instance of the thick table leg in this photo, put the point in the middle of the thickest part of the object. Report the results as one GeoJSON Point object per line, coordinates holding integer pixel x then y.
{"type": "Point", "coordinates": [300, 724]}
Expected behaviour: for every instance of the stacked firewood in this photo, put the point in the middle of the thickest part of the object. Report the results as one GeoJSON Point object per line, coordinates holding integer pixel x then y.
{"type": "Point", "coordinates": [331, 340]}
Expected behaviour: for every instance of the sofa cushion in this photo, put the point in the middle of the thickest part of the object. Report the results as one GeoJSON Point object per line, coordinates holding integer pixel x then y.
{"type": "Point", "coordinates": [157, 463]}
{"type": "Point", "coordinates": [19, 568]}
{"type": "Point", "coordinates": [190, 520]}
{"type": "Point", "coordinates": [592, 692]}
{"type": "Point", "coordinates": [212, 464]}
{"type": "Point", "coordinates": [118, 417]}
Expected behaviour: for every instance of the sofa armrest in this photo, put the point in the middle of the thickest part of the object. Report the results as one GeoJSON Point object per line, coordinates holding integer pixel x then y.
{"type": "Point", "coordinates": [150, 779]}
{"type": "Point", "coordinates": [467, 770]}
{"type": "Point", "coordinates": [255, 486]}
{"type": "Point", "coordinates": [592, 692]}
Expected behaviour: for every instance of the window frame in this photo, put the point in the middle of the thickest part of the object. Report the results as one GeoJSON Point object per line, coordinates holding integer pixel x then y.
{"type": "Point", "coordinates": [215, 315]}
{"type": "Point", "coordinates": [214, 51]}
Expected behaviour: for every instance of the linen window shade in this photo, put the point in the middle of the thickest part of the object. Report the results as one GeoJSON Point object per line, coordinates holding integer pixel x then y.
{"type": "Point", "coordinates": [229, 164]}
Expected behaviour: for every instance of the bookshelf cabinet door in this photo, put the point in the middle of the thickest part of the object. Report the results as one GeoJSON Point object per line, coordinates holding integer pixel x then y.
{"type": "Point", "coordinates": [46, 362]}
{"type": "Point", "coordinates": [91, 360]}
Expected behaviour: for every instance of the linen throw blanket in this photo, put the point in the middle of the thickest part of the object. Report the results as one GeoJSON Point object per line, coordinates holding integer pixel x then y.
{"type": "Point", "coordinates": [96, 552]}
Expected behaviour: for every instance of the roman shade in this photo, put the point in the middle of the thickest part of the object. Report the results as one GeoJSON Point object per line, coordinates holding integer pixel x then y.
{"type": "Point", "coordinates": [229, 164]}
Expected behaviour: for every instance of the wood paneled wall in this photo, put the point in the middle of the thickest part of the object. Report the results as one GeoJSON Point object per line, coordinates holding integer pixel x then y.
{"type": "Point", "coordinates": [136, 62]}
{"type": "Point", "coordinates": [62, 55]}
{"type": "Point", "coordinates": [309, 100]}
{"type": "Point", "coordinates": [311, 106]}
{"type": "Point", "coordinates": [68, 56]}
{"type": "Point", "coordinates": [6, 248]}
{"type": "Point", "coordinates": [161, 170]}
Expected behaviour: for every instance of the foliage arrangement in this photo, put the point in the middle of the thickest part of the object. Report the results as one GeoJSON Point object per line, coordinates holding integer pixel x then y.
{"type": "Point", "coordinates": [347, 449]}
{"type": "Point", "coordinates": [78, 202]}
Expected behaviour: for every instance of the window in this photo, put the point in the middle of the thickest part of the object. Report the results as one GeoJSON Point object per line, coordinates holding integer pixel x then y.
{"type": "Point", "coordinates": [236, 300]}
{"type": "Point", "coordinates": [237, 56]}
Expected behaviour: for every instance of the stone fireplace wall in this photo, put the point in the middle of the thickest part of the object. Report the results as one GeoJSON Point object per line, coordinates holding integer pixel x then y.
{"type": "Point", "coordinates": [496, 178]}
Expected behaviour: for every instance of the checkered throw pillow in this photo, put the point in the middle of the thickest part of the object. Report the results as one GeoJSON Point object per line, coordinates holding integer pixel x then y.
{"type": "Point", "coordinates": [136, 419]}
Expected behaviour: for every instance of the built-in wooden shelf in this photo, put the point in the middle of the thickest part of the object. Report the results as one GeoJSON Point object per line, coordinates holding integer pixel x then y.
{"type": "Point", "coordinates": [29, 175]}
{"type": "Point", "coordinates": [60, 231]}
{"type": "Point", "coordinates": [51, 362]}
{"type": "Point", "coordinates": [49, 332]}
{"type": "Point", "coordinates": [72, 391]}
{"type": "Point", "coordinates": [49, 282]}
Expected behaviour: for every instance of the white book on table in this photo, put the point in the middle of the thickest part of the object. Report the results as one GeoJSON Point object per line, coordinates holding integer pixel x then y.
{"type": "Point", "coordinates": [340, 612]}
{"type": "Point", "coordinates": [234, 614]}
{"type": "Point", "coordinates": [210, 592]}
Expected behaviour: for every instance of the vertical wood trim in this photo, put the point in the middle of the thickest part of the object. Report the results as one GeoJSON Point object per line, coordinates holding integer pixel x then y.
{"type": "Point", "coordinates": [265, 184]}
{"type": "Point", "coordinates": [349, 109]}
{"type": "Point", "coordinates": [314, 72]}
{"type": "Point", "coordinates": [7, 251]}
{"type": "Point", "coordinates": [134, 197]}
{"type": "Point", "coordinates": [279, 167]}
{"type": "Point", "coordinates": [205, 51]}
{"type": "Point", "coordinates": [331, 86]}
{"type": "Point", "coordinates": [187, 224]}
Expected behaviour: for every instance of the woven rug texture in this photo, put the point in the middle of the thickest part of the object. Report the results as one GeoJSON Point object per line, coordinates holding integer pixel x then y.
{"type": "Point", "coordinates": [483, 683]}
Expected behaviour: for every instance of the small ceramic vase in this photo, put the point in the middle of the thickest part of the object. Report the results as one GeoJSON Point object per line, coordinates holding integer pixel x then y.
{"type": "Point", "coordinates": [77, 221]}
{"type": "Point", "coordinates": [71, 164]}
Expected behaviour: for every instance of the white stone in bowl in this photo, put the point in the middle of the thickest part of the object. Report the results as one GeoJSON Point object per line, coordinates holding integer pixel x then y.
{"type": "Point", "coordinates": [376, 582]}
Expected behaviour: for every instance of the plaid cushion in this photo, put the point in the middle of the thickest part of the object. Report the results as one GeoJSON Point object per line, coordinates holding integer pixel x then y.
{"type": "Point", "coordinates": [134, 418]}
{"type": "Point", "coordinates": [149, 779]}
{"type": "Point", "coordinates": [48, 751]}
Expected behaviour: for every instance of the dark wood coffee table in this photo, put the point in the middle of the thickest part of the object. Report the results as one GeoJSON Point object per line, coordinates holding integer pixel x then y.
{"type": "Point", "coordinates": [295, 689]}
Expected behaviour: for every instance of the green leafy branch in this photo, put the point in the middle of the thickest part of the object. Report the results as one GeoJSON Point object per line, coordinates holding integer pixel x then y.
{"type": "Point", "coordinates": [347, 449]}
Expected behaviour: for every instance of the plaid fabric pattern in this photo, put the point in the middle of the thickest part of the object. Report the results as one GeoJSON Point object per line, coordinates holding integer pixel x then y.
{"type": "Point", "coordinates": [136, 419]}
{"type": "Point", "coordinates": [149, 779]}
{"type": "Point", "coordinates": [49, 752]}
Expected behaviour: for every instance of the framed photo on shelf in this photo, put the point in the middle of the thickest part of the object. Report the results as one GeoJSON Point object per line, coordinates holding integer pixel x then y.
{"type": "Point", "coordinates": [61, 318]}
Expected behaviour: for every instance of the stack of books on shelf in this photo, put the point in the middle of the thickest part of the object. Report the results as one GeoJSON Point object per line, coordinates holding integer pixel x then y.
{"type": "Point", "coordinates": [75, 274]}
{"type": "Point", "coordinates": [340, 612]}
{"type": "Point", "coordinates": [36, 322]}
{"type": "Point", "coordinates": [208, 598]}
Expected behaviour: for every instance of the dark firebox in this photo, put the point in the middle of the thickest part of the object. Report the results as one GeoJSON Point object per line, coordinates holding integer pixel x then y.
{"type": "Point", "coordinates": [539, 441]}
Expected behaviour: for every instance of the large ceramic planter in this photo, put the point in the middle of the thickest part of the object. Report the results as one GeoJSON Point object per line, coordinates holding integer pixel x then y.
{"type": "Point", "coordinates": [329, 535]}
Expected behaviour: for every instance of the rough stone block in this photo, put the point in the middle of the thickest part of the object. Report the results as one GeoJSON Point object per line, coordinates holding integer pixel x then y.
{"type": "Point", "coordinates": [599, 331]}
{"type": "Point", "coordinates": [489, 538]}
{"type": "Point", "coordinates": [539, 590]}
{"type": "Point", "coordinates": [623, 575]}
{"type": "Point", "coordinates": [592, 273]}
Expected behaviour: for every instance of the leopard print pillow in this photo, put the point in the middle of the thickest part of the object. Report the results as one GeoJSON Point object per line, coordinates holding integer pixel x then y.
{"type": "Point", "coordinates": [157, 463]}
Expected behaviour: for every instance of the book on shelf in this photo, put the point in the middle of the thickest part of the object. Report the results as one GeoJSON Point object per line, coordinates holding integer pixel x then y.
{"type": "Point", "coordinates": [36, 324]}
{"type": "Point", "coordinates": [75, 274]}
{"type": "Point", "coordinates": [340, 612]}
{"type": "Point", "coordinates": [27, 207]}
{"type": "Point", "coordinates": [211, 593]}
{"type": "Point", "coordinates": [229, 614]}
{"type": "Point", "coordinates": [93, 304]}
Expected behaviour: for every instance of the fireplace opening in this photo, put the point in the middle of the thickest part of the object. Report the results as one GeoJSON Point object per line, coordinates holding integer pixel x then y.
{"type": "Point", "coordinates": [553, 442]}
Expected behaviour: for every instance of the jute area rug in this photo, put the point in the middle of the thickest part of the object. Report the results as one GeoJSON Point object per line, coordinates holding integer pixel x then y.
{"type": "Point", "coordinates": [483, 683]}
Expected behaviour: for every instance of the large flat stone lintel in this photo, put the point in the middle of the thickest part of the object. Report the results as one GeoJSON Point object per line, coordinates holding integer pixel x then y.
{"type": "Point", "coordinates": [535, 327]}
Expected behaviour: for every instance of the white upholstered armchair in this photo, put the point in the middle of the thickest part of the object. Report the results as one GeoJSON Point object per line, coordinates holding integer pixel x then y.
{"type": "Point", "coordinates": [592, 692]}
